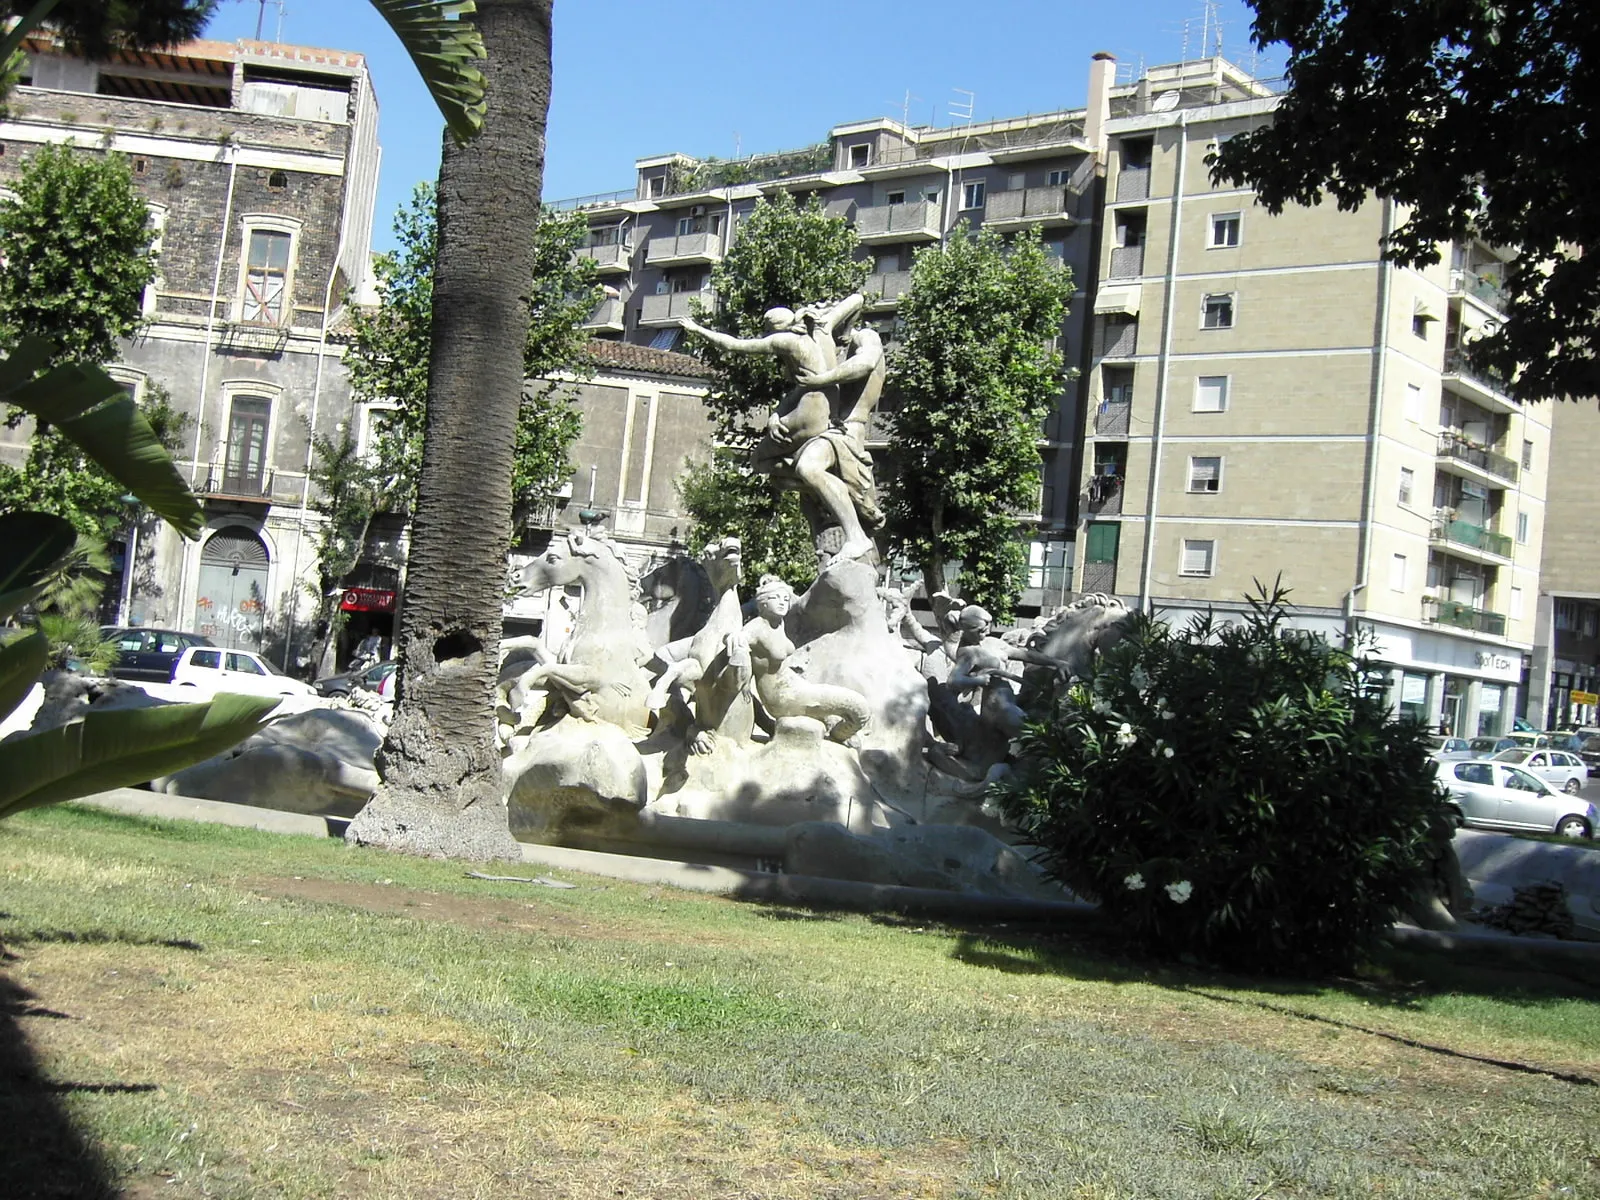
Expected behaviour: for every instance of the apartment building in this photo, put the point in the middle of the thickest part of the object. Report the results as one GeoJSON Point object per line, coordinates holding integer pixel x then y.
{"type": "Point", "coordinates": [1565, 680]}
{"type": "Point", "coordinates": [259, 163]}
{"type": "Point", "coordinates": [1267, 398]}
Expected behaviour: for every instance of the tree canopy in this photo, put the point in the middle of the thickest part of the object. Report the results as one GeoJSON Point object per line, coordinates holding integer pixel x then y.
{"type": "Point", "coordinates": [972, 382]}
{"type": "Point", "coordinates": [96, 27]}
{"type": "Point", "coordinates": [389, 352]}
{"type": "Point", "coordinates": [1475, 116]}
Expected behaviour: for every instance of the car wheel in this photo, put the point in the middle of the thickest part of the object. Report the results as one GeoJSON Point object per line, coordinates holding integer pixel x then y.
{"type": "Point", "coordinates": [1572, 827]}
{"type": "Point", "coordinates": [1572, 787]}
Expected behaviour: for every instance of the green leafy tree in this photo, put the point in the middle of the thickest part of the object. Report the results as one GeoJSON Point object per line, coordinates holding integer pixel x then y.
{"type": "Point", "coordinates": [725, 497]}
{"type": "Point", "coordinates": [972, 382]}
{"type": "Point", "coordinates": [1235, 792]}
{"type": "Point", "coordinates": [785, 256]}
{"type": "Point", "coordinates": [96, 27]}
{"type": "Point", "coordinates": [76, 243]}
{"type": "Point", "coordinates": [1474, 116]}
{"type": "Point", "coordinates": [348, 490]}
{"type": "Point", "coordinates": [389, 353]}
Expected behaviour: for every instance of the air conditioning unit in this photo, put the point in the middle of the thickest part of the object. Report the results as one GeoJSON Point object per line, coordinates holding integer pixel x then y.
{"type": "Point", "coordinates": [697, 210]}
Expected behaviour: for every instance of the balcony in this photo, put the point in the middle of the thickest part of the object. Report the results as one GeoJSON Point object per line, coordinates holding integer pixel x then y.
{"type": "Point", "coordinates": [1111, 419]}
{"type": "Point", "coordinates": [670, 308]}
{"type": "Point", "coordinates": [225, 481]}
{"type": "Point", "coordinates": [1462, 616]}
{"type": "Point", "coordinates": [1476, 383]}
{"type": "Point", "coordinates": [1133, 183]}
{"type": "Point", "coordinates": [1031, 206]}
{"type": "Point", "coordinates": [1455, 450]}
{"type": "Point", "coordinates": [1104, 495]}
{"type": "Point", "coordinates": [1127, 262]}
{"type": "Point", "coordinates": [887, 287]}
{"type": "Point", "coordinates": [686, 249]}
{"type": "Point", "coordinates": [914, 222]}
{"type": "Point", "coordinates": [1480, 287]}
{"type": "Point", "coordinates": [606, 318]}
{"type": "Point", "coordinates": [614, 259]}
{"type": "Point", "coordinates": [1453, 534]}
{"type": "Point", "coordinates": [1099, 577]}
{"type": "Point", "coordinates": [1116, 339]}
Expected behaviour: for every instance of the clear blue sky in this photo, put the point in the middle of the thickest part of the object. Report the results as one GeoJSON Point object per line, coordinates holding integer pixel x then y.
{"type": "Point", "coordinates": [717, 77]}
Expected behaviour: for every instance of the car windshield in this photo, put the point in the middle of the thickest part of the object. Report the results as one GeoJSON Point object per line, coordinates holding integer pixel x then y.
{"type": "Point", "coordinates": [1566, 741]}
{"type": "Point", "coordinates": [268, 664]}
{"type": "Point", "coordinates": [1480, 745]}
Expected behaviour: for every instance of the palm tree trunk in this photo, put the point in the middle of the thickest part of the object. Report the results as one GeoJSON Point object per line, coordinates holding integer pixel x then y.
{"type": "Point", "coordinates": [441, 793]}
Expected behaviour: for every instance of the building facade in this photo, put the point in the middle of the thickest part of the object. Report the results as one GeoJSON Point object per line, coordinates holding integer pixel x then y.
{"type": "Point", "coordinates": [1271, 401]}
{"type": "Point", "coordinates": [1566, 658]}
{"type": "Point", "coordinates": [259, 163]}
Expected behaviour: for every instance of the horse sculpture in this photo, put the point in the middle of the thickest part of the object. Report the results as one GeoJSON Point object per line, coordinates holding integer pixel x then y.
{"type": "Point", "coordinates": [599, 674]}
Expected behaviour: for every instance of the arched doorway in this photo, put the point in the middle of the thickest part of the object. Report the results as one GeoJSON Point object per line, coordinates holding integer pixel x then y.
{"type": "Point", "coordinates": [231, 608]}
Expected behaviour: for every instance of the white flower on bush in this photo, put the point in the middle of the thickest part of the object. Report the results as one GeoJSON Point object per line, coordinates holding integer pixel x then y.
{"type": "Point", "coordinates": [1179, 892]}
{"type": "Point", "coordinates": [1140, 678]}
{"type": "Point", "coordinates": [1134, 882]}
{"type": "Point", "coordinates": [1100, 706]}
{"type": "Point", "coordinates": [1167, 751]}
{"type": "Point", "coordinates": [1126, 735]}
{"type": "Point", "coordinates": [1167, 714]}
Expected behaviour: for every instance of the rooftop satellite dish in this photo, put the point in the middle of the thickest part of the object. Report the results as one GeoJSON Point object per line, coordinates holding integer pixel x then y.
{"type": "Point", "coordinates": [1165, 102]}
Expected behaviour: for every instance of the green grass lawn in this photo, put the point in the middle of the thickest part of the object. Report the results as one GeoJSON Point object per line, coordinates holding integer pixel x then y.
{"type": "Point", "coordinates": [200, 1011]}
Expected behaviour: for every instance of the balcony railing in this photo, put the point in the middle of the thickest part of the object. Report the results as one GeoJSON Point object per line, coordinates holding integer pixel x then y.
{"type": "Point", "coordinates": [1111, 419]}
{"type": "Point", "coordinates": [1116, 339]}
{"type": "Point", "coordinates": [1127, 262]}
{"type": "Point", "coordinates": [918, 220]}
{"type": "Point", "coordinates": [607, 315]}
{"type": "Point", "coordinates": [1454, 446]}
{"type": "Point", "coordinates": [670, 308]}
{"type": "Point", "coordinates": [226, 481]}
{"type": "Point", "coordinates": [684, 248]}
{"type": "Point", "coordinates": [1104, 495]}
{"type": "Point", "coordinates": [610, 259]}
{"type": "Point", "coordinates": [1041, 205]}
{"type": "Point", "coordinates": [1474, 537]}
{"type": "Point", "coordinates": [1099, 577]}
{"type": "Point", "coordinates": [1133, 183]}
{"type": "Point", "coordinates": [1455, 363]}
{"type": "Point", "coordinates": [888, 286]}
{"type": "Point", "coordinates": [1462, 616]}
{"type": "Point", "coordinates": [1480, 287]}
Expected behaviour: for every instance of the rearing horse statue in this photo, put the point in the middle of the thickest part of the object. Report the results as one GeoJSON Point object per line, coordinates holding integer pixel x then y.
{"type": "Point", "coordinates": [599, 674]}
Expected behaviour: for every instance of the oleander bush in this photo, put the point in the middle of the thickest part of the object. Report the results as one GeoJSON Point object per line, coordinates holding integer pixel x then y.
{"type": "Point", "coordinates": [1238, 793]}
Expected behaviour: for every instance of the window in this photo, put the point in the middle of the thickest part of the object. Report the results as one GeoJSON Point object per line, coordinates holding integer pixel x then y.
{"type": "Point", "coordinates": [605, 235]}
{"type": "Point", "coordinates": [895, 197]}
{"type": "Point", "coordinates": [1211, 393]}
{"type": "Point", "coordinates": [1224, 230]}
{"type": "Point", "coordinates": [1217, 311]}
{"type": "Point", "coordinates": [158, 230]}
{"type": "Point", "coordinates": [1522, 529]}
{"type": "Point", "coordinates": [1057, 179]}
{"type": "Point", "coordinates": [655, 185]}
{"type": "Point", "coordinates": [244, 664]}
{"type": "Point", "coordinates": [245, 470]}
{"type": "Point", "coordinates": [141, 164]}
{"type": "Point", "coordinates": [1408, 481]}
{"type": "Point", "coordinates": [1516, 604]}
{"type": "Point", "coordinates": [1419, 325]}
{"type": "Point", "coordinates": [885, 261]}
{"type": "Point", "coordinates": [1199, 557]}
{"type": "Point", "coordinates": [1413, 408]}
{"type": "Point", "coordinates": [1567, 614]}
{"type": "Point", "coordinates": [266, 283]}
{"type": "Point", "coordinates": [860, 155]}
{"type": "Point", "coordinates": [931, 195]}
{"type": "Point", "coordinates": [1527, 455]}
{"type": "Point", "coordinates": [972, 195]}
{"type": "Point", "coordinates": [665, 339]}
{"type": "Point", "coordinates": [1591, 622]}
{"type": "Point", "coordinates": [211, 660]}
{"type": "Point", "coordinates": [1205, 474]}
{"type": "Point", "coordinates": [1102, 538]}
{"type": "Point", "coordinates": [1397, 573]}
{"type": "Point", "coordinates": [1472, 772]}
{"type": "Point", "coordinates": [278, 180]}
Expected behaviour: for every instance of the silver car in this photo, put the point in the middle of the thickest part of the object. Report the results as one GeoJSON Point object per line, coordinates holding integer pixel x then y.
{"type": "Point", "coordinates": [1497, 795]}
{"type": "Point", "coordinates": [1556, 767]}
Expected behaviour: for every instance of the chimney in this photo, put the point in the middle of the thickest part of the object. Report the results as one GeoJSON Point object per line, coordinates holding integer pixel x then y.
{"type": "Point", "coordinates": [1102, 75]}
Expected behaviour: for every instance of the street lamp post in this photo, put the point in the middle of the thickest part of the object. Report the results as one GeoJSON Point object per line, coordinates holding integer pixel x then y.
{"type": "Point", "coordinates": [130, 556]}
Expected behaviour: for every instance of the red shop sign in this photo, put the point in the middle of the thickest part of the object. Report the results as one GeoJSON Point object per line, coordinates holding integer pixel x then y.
{"type": "Point", "coordinates": [367, 600]}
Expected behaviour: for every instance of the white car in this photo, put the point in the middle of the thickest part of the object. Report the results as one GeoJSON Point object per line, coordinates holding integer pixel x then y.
{"type": "Point", "coordinates": [212, 670]}
{"type": "Point", "coordinates": [1497, 795]}
{"type": "Point", "coordinates": [1556, 767]}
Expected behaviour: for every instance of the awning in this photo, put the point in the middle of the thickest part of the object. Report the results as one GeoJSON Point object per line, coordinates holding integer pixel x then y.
{"type": "Point", "coordinates": [1117, 300]}
{"type": "Point", "coordinates": [1424, 311]}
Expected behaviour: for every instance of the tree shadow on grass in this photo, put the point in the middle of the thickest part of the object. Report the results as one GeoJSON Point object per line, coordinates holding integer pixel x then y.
{"type": "Point", "coordinates": [44, 1153]}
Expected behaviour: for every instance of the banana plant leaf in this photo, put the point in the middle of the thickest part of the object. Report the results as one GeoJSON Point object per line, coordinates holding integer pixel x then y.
{"type": "Point", "coordinates": [31, 544]}
{"type": "Point", "coordinates": [120, 747]}
{"type": "Point", "coordinates": [96, 413]}
{"type": "Point", "coordinates": [21, 661]}
{"type": "Point", "coordinates": [443, 45]}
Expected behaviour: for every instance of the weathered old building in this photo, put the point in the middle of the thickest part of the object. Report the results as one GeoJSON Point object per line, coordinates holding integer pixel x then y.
{"type": "Point", "coordinates": [259, 163]}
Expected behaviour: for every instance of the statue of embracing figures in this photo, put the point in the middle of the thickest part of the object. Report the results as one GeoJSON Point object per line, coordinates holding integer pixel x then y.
{"type": "Point", "coordinates": [816, 440]}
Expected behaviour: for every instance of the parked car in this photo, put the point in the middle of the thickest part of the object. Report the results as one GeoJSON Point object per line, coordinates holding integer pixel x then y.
{"type": "Point", "coordinates": [367, 679]}
{"type": "Point", "coordinates": [1450, 749]}
{"type": "Point", "coordinates": [1497, 795]}
{"type": "Point", "coordinates": [1589, 751]}
{"type": "Point", "coordinates": [212, 670]}
{"type": "Point", "coordinates": [1488, 747]}
{"type": "Point", "coordinates": [148, 655]}
{"type": "Point", "coordinates": [1563, 739]}
{"type": "Point", "coordinates": [1559, 769]}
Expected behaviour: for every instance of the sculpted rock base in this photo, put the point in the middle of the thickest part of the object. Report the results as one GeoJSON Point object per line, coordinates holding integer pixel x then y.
{"type": "Point", "coordinates": [579, 775]}
{"type": "Point", "coordinates": [945, 857]}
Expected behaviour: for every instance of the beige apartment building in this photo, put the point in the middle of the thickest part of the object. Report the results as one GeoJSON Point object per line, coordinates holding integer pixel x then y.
{"type": "Point", "coordinates": [1267, 399]}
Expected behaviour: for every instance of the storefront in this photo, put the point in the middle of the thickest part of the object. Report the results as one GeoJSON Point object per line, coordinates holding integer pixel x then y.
{"type": "Point", "coordinates": [1450, 684]}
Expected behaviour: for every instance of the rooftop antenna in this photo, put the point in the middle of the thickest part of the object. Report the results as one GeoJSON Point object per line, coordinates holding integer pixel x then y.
{"type": "Point", "coordinates": [905, 108]}
{"type": "Point", "coordinates": [738, 144]}
{"type": "Point", "coordinates": [962, 110]}
{"type": "Point", "coordinates": [261, 15]}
